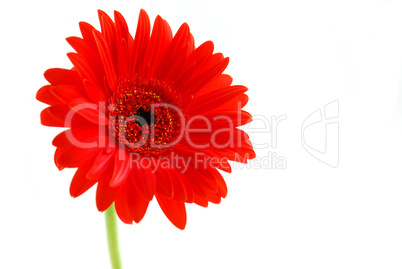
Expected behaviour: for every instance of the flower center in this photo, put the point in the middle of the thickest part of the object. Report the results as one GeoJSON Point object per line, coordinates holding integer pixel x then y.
{"type": "Point", "coordinates": [143, 117]}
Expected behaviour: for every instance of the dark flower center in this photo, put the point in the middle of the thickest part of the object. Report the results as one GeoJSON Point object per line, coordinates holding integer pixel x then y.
{"type": "Point", "coordinates": [146, 115]}
{"type": "Point", "coordinates": [143, 117]}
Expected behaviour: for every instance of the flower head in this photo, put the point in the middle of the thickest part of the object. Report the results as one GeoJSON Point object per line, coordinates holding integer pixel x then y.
{"type": "Point", "coordinates": [146, 116]}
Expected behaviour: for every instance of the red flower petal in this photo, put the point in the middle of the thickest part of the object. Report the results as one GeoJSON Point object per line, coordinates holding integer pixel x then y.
{"type": "Point", "coordinates": [144, 180]}
{"type": "Point", "coordinates": [122, 28]}
{"type": "Point", "coordinates": [160, 38]}
{"type": "Point", "coordinates": [218, 100]}
{"type": "Point", "coordinates": [106, 59]}
{"type": "Point", "coordinates": [89, 111]}
{"type": "Point", "coordinates": [109, 32]}
{"type": "Point", "coordinates": [122, 207]}
{"type": "Point", "coordinates": [83, 48]}
{"type": "Point", "coordinates": [200, 195]}
{"type": "Point", "coordinates": [57, 76]}
{"type": "Point", "coordinates": [94, 93]}
{"type": "Point", "coordinates": [175, 211]}
{"type": "Point", "coordinates": [46, 96]}
{"type": "Point", "coordinates": [121, 168]}
{"type": "Point", "coordinates": [87, 35]}
{"type": "Point", "coordinates": [163, 186]}
{"type": "Point", "coordinates": [67, 93]}
{"type": "Point", "coordinates": [85, 70]}
{"type": "Point", "coordinates": [179, 191]}
{"type": "Point", "coordinates": [101, 164]}
{"type": "Point", "coordinates": [75, 157]}
{"type": "Point", "coordinates": [198, 82]}
{"type": "Point", "coordinates": [61, 140]}
{"type": "Point", "coordinates": [186, 185]}
{"type": "Point", "coordinates": [140, 41]}
{"type": "Point", "coordinates": [137, 203]}
{"type": "Point", "coordinates": [175, 55]}
{"type": "Point", "coordinates": [105, 195]}
{"type": "Point", "coordinates": [80, 183]}
{"type": "Point", "coordinates": [196, 59]}
{"type": "Point", "coordinates": [54, 115]}
{"type": "Point", "coordinates": [214, 197]}
{"type": "Point", "coordinates": [222, 81]}
{"type": "Point", "coordinates": [123, 63]}
{"type": "Point", "coordinates": [222, 188]}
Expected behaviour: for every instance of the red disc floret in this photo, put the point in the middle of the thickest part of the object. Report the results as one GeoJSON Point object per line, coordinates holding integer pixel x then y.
{"type": "Point", "coordinates": [142, 117]}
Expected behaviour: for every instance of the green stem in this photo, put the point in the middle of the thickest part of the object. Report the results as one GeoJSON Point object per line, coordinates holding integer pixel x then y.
{"type": "Point", "coordinates": [113, 237]}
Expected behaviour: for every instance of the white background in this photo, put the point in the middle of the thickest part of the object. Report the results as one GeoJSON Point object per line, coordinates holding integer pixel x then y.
{"type": "Point", "coordinates": [295, 57]}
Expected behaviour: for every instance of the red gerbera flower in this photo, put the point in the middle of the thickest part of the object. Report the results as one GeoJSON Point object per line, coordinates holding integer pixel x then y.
{"type": "Point", "coordinates": [150, 115]}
